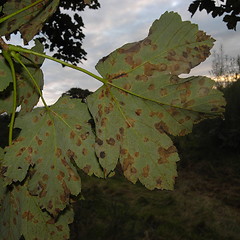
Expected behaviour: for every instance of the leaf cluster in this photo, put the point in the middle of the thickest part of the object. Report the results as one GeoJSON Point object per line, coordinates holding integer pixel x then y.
{"type": "Point", "coordinates": [128, 121]}
{"type": "Point", "coordinates": [229, 8]}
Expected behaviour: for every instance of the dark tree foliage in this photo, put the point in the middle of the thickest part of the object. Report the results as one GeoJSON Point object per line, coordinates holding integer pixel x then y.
{"type": "Point", "coordinates": [229, 8]}
{"type": "Point", "coordinates": [62, 33]}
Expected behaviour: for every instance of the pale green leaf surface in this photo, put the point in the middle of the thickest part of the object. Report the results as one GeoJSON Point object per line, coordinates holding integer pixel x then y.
{"type": "Point", "coordinates": [29, 22]}
{"type": "Point", "coordinates": [144, 100]}
{"type": "Point", "coordinates": [5, 74]}
{"type": "Point", "coordinates": [21, 215]}
{"type": "Point", "coordinates": [53, 143]}
{"type": "Point", "coordinates": [27, 94]}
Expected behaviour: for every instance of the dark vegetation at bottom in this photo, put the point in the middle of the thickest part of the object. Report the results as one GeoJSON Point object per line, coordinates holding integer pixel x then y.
{"type": "Point", "coordinates": [205, 204]}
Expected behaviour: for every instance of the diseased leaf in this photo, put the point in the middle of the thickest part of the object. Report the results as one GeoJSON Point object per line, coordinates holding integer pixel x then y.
{"type": "Point", "coordinates": [144, 100]}
{"type": "Point", "coordinates": [5, 74]}
{"type": "Point", "coordinates": [28, 22]}
{"type": "Point", "coordinates": [27, 94]}
{"type": "Point", "coordinates": [53, 142]}
{"type": "Point", "coordinates": [21, 215]}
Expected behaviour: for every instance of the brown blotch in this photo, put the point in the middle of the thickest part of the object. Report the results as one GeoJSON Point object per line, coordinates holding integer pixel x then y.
{"type": "Point", "coordinates": [49, 122]}
{"type": "Point", "coordinates": [127, 86]}
{"type": "Point", "coordinates": [159, 183]}
{"type": "Point", "coordinates": [79, 142]}
{"type": "Point", "coordinates": [87, 168]}
{"type": "Point", "coordinates": [161, 127]}
{"type": "Point", "coordinates": [45, 177]}
{"type": "Point", "coordinates": [58, 152]}
{"type": "Point", "coordinates": [189, 103]}
{"type": "Point", "coordinates": [21, 151]}
{"type": "Point", "coordinates": [60, 176]}
{"type": "Point", "coordinates": [118, 137]}
{"type": "Point", "coordinates": [70, 154]}
{"type": "Point", "coordinates": [35, 119]}
{"type": "Point", "coordinates": [133, 49]}
{"type": "Point", "coordinates": [104, 122]}
{"type": "Point", "coordinates": [163, 92]}
{"type": "Point", "coordinates": [151, 87]}
{"type": "Point", "coordinates": [138, 112]}
{"type": "Point", "coordinates": [145, 172]}
{"type": "Point", "coordinates": [157, 114]}
{"type": "Point", "coordinates": [136, 154]}
{"type": "Point", "coordinates": [27, 215]}
{"type": "Point", "coordinates": [72, 134]}
{"type": "Point", "coordinates": [123, 151]}
{"type": "Point", "coordinates": [28, 159]}
{"type": "Point", "coordinates": [102, 154]}
{"type": "Point", "coordinates": [202, 81]}
{"type": "Point", "coordinates": [25, 101]}
{"type": "Point", "coordinates": [99, 141]}
{"type": "Point", "coordinates": [52, 167]}
{"type": "Point", "coordinates": [165, 153]}
{"type": "Point", "coordinates": [143, 78]}
{"type": "Point", "coordinates": [146, 139]}
{"type": "Point", "coordinates": [111, 141]}
{"type": "Point", "coordinates": [30, 150]}
{"type": "Point", "coordinates": [78, 126]}
{"type": "Point", "coordinates": [130, 122]}
{"type": "Point", "coordinates": [121, 130]}
{"type": "Point", "coordinates": [47, 134]}
{"type": "Point", "coordinates": [39, 141]}
{"type": "Point", "coordinates": [149, 68]}
{"type": "Point", "coordinates": [108, 109]}
{"type": "Point", "coordinates": [84, 151]}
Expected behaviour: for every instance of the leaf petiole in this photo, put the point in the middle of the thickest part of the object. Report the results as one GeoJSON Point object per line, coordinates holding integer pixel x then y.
{"type": "Point", "coordinates": [16, 56]}
{"type": "Point", "coordinates": [24, 50]}
{"type": "Point", "coordinates": [8, 58]}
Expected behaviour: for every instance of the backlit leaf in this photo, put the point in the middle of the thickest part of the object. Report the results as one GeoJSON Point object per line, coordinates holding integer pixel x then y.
{"type": "Point", "coordinates": [27, 94]}
{"type": "Point", "coordinates": [21, 215]}
{"type": "Point", "coordinates": [144, 100]}
{"type": "Point", "coordinates": [29, 22]}
{"type": "Point", "coordinates": [53, 142]}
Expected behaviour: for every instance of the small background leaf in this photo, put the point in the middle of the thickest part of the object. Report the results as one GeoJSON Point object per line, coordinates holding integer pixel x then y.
{"type": "Point", "coordinates": [29, 22]}
{"type": "Point", "coordinates": [27, 94]}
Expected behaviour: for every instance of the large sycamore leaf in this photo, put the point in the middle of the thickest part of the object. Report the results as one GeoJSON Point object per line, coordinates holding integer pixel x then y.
{"type": "Point", "coordinates": [53, 142]}
{"type": "Point", "coordinates": [144, 100]}
{"type": "Point", "coordinates": [28, 22]}
{"type": "Point", "coordinates": [27, 94]}
{"type": "Point", "coordinates": [21, 215]}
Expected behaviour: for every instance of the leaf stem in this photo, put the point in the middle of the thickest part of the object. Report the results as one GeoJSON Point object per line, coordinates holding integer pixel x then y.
{"type": "Point", "coordinates": [24, 50]}
{"type": "Point", "coordinates": [19, 11]}
{"type": "Point", "coordinates": [17, 58]}
{"type": "Point", "coordinates": [7, 56]}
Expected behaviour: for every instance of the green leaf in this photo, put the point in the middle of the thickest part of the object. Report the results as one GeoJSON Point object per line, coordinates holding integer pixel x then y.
{"type": "Point", "coordinates": [21, 215]}
{"type": "Point", "coordinates": [5, 74]}
{"type": "Point", "coordinates": [27, 94]}
{"type": "Point", "coordinates": [53, 142]}
{"type": "Point", "coordinates": [28, 22]}
{"type": "Point", "coordinates": [144, 100]}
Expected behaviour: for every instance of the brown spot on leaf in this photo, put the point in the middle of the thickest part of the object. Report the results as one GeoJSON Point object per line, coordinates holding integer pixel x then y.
{"type": "Point", "coordinates": [189, 103]}
{"type": "Point", "coordinates": [138, 112]}
{"type": "Point", "coordinates": [146, 139]}
{"type": "Point", "coordinates": [157, 114]}
{"type": "Point", "coordinates": [87, 168]}
{"type": "Point", "coordinates": [84, 151]}
{"type": "Point", "coordinates": [111, 141]}
{"type": "Point", "coordinates": [58, 152]}
{"type": "Point", "coordinates": [108, 109]}
{"type": "Point", "coordinates": [151, 87]}
{"type": "Point", "coordinates": [45, 177]}
{"type": "Point", "coordinates": [79, 142]}
{"type": "Point", "coordinates": [78, 126]}
{"type": "Point", "coordinates": [60, 176]}
{"type": "Point", "coordinates": [133, 49]}
{"type": "Point", "coordinates": [150, 68]}
{"type": "Point", "coordinates": [72, 134]}
{"type": "Point", "coordinates": [165, 154]}
{"type": "Point", "coordinates": [159, 183]}
{"type": "Point", "coordinates": [70, 154]}
{"type": "Point", "coordinates": [38, 140]}
{"type": "Point", "coordinates": [49, 122]}
{"type": "Point", "coordinates": [163, 92]}
{"type": "Point", "coordinates": [21, 151]}
{"type": "Point", "coordinates": [161, 127]}
{"type": "Point", "coordinates": [123, 151]}
{"type": "Point", "coordinates": [99, 141]}
{"type": "Point", "coordinates": [143, 78]}
{"type": "Point", "coordinates": [28, 159]}
{"type": "Point", "coordinates": [102, 154]}
{"type": "Point", "coordinates": [27, 216]}
{"type": "Point", "coordinates": [130, 122]}
{"type": "Point", "coordinates": [127, 86]}
{"type": "Point", "coordinates": [145, 172]}
{"type": "Point", "coordinates": [104, 122]}
{"type": "Point", "coordinates": [35, 119]}
{"type": "Point", "coordinates": [136, 154]}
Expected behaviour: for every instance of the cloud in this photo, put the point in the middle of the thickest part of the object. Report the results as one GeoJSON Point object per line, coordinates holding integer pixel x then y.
{"type": "Point", "coordinates": [119, 22]}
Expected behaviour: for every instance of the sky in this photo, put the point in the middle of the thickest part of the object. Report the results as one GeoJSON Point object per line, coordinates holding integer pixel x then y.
{"type": "Point", "coordinates": [119, 22]}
